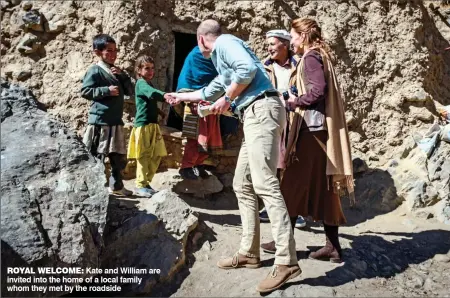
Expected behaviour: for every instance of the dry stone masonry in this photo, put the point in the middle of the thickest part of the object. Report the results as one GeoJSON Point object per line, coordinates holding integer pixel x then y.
{"type": "Point", "coordinates": [391, 61]}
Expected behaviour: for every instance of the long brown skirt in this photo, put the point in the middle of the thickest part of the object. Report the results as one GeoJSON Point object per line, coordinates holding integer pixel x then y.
{"type": "Point", "coordinates": [304, 185]}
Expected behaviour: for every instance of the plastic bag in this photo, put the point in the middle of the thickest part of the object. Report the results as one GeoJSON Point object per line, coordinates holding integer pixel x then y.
{"type": "Point", "coordinates": [427, 142]}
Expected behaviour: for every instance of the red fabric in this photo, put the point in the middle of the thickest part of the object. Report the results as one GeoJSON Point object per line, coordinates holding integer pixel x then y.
{"type": "Point", "coordinates": [192, 157]}
{"type": "Point", "coordinates": [209, 138]}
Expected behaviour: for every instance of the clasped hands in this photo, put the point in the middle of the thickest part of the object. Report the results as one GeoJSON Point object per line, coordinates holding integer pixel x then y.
{"type": "Point", "coordinates": [172, 99]}
{"type": "Point", "coordinates": [219, 107]}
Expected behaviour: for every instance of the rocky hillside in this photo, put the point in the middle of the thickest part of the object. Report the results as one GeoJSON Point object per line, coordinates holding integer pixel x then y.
{"type": "Point", "coordinates": [391, 60]}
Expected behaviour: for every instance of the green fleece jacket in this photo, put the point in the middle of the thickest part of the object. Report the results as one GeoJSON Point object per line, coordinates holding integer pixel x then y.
{"type": "Point", "coordinates": [105, 109]}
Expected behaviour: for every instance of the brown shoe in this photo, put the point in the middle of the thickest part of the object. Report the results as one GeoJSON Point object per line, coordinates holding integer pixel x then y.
{"type": "Point", "coordinates": [239, 261]}
{"type": "Point", "coordinates": [327, 253]}
{"type": "Point", "coordinates": [269, 247]}
{"type": "Point", "coordinates": [277, 277]}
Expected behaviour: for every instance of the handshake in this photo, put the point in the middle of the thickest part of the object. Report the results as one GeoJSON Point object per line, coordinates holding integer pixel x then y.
{"type": "Point", "coordinates": [221, 106]}
{"type": "Point", "coordinates": [172, 99]}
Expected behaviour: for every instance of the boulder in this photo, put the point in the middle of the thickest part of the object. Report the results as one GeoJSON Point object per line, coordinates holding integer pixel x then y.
{"type": "Point", "coordinates": [53, 209]}
{"type": "Point", "coordinates": [359, 165]}
{"type": "Point", "coordinates": [200, 188]}
{"type": "Point", "coordinates": [375, 192]}
{"type": "Point", "coordinates": [154, 238]}
{"type": "Point", "coordinates": [424, 182]}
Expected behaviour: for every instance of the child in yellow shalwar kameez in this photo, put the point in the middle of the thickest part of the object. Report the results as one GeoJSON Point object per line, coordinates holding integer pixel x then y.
{"type": "Point", "coordinates": [146, 141]}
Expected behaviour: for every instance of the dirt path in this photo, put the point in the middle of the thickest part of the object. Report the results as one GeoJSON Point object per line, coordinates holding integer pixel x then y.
{"type": "Point", "coordinates": [393, 254]}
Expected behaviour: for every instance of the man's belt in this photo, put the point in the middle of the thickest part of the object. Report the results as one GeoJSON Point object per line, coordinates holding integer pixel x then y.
{"type": "Point", "coordinates": [267, 94]}
{"type": "Point", "coordinates": [261, 96]}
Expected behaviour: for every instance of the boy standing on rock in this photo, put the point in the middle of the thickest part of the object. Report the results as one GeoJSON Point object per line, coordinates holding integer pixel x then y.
{"type": "Point", "coordinates": [105, 85]}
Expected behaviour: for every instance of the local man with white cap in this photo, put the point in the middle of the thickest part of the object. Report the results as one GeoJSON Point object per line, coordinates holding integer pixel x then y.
{"type": "Point", "coordinates": [281, 65]}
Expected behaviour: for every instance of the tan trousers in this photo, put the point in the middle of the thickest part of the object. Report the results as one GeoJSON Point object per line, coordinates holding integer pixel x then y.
{"type": "Point", "coordinates": [255, 175]}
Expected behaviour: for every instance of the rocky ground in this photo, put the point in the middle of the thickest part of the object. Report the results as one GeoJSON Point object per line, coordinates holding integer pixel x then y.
{"type": "Point", "coordinates": [391, 254]}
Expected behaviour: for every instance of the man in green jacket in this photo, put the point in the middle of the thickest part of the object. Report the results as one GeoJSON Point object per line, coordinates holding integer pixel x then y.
{"type": "Point", "coordinates": [105, 86]}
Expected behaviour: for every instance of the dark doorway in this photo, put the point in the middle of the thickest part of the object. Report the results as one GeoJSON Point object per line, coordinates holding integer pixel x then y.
{"type": "Point", "coordinates": [184, 43]}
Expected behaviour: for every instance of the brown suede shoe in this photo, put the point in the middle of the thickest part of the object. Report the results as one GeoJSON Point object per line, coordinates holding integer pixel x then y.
{"type": "Point", "coordinates": [239, 261]}
{"type": "Point", "coordinates": [269, 247]}
{"type": "Point", "coordinates": [327, 253]}
{"type": "Point", "coordinates": [277, 277]}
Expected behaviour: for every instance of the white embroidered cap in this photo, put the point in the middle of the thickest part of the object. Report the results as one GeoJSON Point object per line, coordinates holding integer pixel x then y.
{"type": "Point", "coordinates": [279, 33]}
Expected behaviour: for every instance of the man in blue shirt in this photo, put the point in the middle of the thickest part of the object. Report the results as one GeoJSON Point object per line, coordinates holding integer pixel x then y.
{"type": "Point", "coordinates": [197, 72]}
{"type": "Point", "coordinates": [245, 83]}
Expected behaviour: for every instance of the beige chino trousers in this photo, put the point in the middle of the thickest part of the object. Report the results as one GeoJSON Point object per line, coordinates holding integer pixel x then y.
{"type": "Point", "coordinates": [255, 175]}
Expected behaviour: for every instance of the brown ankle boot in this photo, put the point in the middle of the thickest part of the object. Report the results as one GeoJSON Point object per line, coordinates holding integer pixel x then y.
{"type": "Point", "coordinates": [332, 249]}
{"type": "Point", "coordinates": [269, 247]}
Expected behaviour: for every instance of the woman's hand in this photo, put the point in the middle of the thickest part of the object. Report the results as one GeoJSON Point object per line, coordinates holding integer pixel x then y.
{"type": "Point", "coordinates": [291, 103]}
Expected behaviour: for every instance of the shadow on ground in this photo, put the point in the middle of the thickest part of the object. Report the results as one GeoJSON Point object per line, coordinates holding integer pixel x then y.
{"type": "Point", "coordinates": [226, 220]}
{"type": "Point", "coordinates": [135, 238]}
{"type": "Point", "coordinates": [373, 256]}
{"type": "Point", "coordinates": [202, 236]}
{"type": "Point", "coordinates": [120, 210]}
{"type": "Point", "coordinates": [225, 200]}
{"type": "Point", "coordinates": [375, 194]}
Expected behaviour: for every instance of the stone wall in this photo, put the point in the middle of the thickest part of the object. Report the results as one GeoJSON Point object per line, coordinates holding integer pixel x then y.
{"type": "Point", "coordinates": [391, 62]}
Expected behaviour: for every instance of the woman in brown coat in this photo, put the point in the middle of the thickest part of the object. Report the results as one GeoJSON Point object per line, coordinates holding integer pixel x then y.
{"type": "Point", "coordinates": [318, 152]}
